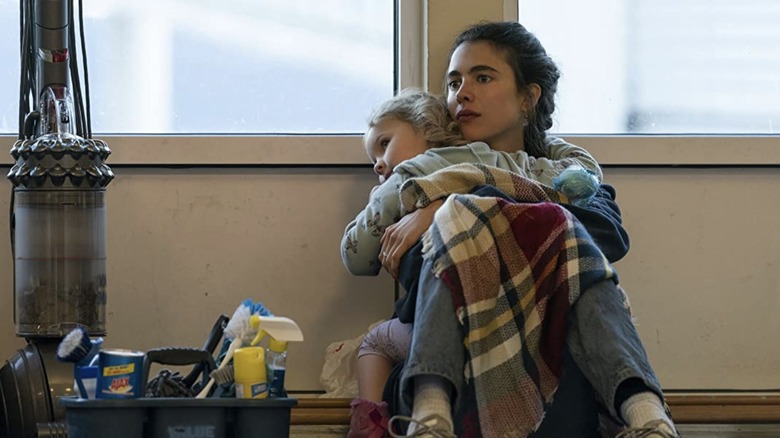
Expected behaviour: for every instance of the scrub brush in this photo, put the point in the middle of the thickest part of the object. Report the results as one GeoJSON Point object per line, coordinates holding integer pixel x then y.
{"type": "Point", "coordinates": [74, 347]}
{"type": "Point", "coordinates": [236, 330]}
{"type": "Point", "coordinates": [223, 376]}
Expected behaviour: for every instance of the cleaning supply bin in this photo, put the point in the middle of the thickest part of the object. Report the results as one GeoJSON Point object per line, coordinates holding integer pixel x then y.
{"type": "Point", "coordinates": [178, 417]}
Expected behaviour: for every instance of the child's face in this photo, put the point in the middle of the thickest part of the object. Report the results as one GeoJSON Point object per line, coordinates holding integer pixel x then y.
{"type": "Point", "coordinates": [389, 143]}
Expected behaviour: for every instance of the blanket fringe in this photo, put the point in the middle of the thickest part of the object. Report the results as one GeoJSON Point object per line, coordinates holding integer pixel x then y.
{"type": "Point", "coordinates": [427, 242]}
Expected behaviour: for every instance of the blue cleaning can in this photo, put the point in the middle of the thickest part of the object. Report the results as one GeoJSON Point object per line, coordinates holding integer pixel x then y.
{"type": "Point", "coordinates": [120, 374]}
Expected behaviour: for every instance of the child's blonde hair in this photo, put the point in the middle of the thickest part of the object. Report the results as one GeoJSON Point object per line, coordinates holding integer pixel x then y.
{"type": "Point", "coordinates": [427, 113]}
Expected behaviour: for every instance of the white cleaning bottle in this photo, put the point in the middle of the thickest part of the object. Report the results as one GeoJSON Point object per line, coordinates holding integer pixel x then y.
{"type": "Point", "coordinates": [276, 364]}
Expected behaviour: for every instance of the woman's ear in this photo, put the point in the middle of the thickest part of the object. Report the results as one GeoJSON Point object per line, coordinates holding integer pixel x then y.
{"type": "Point", "coordinates": [535, 92]}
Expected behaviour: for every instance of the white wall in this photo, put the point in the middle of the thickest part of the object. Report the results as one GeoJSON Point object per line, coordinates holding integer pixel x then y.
{"type": "Point", "coordinates": [704, 272]}
{"type": "Point", "coordinates": [187, 245]}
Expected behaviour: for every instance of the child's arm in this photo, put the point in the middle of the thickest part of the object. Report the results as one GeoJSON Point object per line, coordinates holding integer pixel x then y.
{"type": "Point", "coordinates": [563, 155]}
{"type": "Point", "coordinates": [360, 245]}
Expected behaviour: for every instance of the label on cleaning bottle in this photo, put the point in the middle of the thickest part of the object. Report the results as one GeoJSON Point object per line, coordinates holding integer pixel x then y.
{"type": "Point", "coordinates": [258, 390]}
{"type": "Point", "coordinates": [120, 374]}
{"type": "Point", "coordinates": [276, 387]}
{"type": "Point", "coordinates": [255, 390]}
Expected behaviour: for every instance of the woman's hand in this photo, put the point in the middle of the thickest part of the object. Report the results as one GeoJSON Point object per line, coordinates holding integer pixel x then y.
{"type": "Point", "coordinates": [401, 236]}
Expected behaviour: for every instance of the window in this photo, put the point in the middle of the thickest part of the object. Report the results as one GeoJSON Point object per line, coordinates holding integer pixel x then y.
{"type": "Point", "coordinates": [242, 67]}
{"type": "Point", "coordinates": [9, 67]}
{"type": "Point", "coordinates": [662, 66]}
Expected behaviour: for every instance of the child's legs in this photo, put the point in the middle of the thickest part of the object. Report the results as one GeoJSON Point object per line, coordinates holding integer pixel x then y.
{"type": "Point", "coordinates": [383, 347]}
{"type": "Point", "coordinates": [373, 371]}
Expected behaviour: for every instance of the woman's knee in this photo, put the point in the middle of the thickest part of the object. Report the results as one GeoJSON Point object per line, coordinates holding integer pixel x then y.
{"type": "Point", "coordinates": [603, 296]}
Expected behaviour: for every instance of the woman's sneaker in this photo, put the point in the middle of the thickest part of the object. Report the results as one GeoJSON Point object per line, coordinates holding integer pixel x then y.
{"type": "Point", "coordinates": [432, 426]}
{"type": "Point", "coordinates": [653, 429]}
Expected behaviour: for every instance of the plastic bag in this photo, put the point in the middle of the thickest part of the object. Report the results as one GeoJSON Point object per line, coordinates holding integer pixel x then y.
{"type": "Point", "coordinates": [339, 372]}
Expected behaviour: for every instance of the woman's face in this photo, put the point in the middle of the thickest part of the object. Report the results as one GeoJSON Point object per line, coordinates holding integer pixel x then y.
{"type": "Point", "coordinates": [390, 142]}
{"type": "Point", "coordinates": [483, 97]}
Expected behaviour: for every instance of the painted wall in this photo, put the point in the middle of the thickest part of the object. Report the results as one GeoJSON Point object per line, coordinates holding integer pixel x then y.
{"type": "Point", "coordinates": [187, 245]}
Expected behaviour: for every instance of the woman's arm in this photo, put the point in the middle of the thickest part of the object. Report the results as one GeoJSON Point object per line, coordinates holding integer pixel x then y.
{"type": "Point", "coordinates": [360, 246]}
{"type": "Point", "coordinates": [601, 216]}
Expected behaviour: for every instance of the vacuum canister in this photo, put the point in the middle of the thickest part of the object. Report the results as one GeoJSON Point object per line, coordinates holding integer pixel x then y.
{"type": "Point", "coordinates": [60, 262]}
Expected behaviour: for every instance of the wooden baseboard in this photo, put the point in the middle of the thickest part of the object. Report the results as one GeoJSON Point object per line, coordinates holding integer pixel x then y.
{"type": "Point", "coordinates": [725, 408]}
{"type": "Point", "coordinates": [324, 411]}
{"type": "Point", "coordinates": [686, 409]}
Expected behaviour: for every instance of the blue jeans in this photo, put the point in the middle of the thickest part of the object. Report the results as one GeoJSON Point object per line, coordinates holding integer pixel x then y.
{"type": "Point", "coordinates": [601, 339]}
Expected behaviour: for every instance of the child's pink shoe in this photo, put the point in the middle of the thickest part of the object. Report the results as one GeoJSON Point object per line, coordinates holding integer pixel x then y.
{"type": "Point", "coordinates": [368, 419]}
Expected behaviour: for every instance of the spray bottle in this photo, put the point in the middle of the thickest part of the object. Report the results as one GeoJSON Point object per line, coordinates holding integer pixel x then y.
{"type": "Point", "coordinates": [279, 330]}
{"type": "Point", "coordinates": [276, 364]}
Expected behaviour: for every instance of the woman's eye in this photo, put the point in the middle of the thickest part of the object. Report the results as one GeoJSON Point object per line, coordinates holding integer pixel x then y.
{"type": "Point", "coordinates": [453, 85]}
{"type": "Point", "coordinates": [483, 78]}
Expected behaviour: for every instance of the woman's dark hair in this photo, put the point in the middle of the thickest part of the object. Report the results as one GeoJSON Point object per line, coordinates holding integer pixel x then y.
{"type": "Point", "coordinates": [531, 65]}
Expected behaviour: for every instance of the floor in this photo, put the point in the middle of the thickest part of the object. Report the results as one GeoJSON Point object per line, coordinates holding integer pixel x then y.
{"type": "Point", "coordinates": [318, 431]}
{"type": "Point", "coordinates": [686, 431]}
{"type": "Point", "coordinates": [730, 431]}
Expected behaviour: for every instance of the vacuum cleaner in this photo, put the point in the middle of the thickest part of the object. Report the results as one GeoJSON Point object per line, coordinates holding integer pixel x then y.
{"type": "Point", "coordinates": [57, 220]}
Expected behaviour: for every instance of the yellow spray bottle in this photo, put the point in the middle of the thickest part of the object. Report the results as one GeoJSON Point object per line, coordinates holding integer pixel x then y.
{"type": "Point", "coordinates": [250, 373]}
{"type": "Point", "coordinates": [254, 322]}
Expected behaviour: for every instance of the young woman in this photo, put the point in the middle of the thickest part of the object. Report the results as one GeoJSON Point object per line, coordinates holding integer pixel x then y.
{"type": "Point", "coordinates": [413, 134]}
{"type": "Point", "coordinates": [500, 89]}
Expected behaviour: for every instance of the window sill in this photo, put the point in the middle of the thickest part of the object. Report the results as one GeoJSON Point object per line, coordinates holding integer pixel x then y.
{"type": "Point", "coordinates": [338, 150]}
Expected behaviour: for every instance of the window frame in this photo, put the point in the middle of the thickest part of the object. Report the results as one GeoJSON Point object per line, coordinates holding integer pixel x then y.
{"type": "Point", "coordinates": [424, 30]}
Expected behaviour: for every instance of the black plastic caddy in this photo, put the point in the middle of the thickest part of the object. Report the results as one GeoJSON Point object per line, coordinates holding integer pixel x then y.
{"type": "Point", "coordinates": [178, 417]}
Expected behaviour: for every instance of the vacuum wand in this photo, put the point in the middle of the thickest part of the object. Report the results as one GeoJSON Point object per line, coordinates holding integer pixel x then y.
{"type": "Point", "coordinates": [51, 37]}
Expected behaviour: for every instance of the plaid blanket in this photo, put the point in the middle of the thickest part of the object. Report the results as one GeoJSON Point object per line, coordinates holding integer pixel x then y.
{"type": "Point", "coordinates": [514, 269]}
